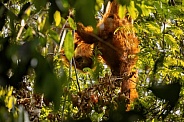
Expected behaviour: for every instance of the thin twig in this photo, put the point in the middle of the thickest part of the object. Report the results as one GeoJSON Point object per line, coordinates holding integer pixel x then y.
{"type": "Point", "coordinates": [62, 29]}
{"type": "Point", "coordinates": [101, 40]}
{"type": "Point", "coordinates": [20, 31]}
{"type": "Point", "coordinates": [62, 40]}
{"type": "Point", "coordinates": [62, 35]}
{"type": "Point", "coordinates": [77, 78]}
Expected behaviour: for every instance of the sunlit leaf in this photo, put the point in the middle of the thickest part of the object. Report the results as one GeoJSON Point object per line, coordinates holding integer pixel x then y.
{"type": "Point", "coordinates": [170, 39]}
{"type": "Point", "coordinates": [57, 18]}
{"type": "Point", "coordinates": [41, 22]}
{"type": "Point", "coordinates": [178, 32]}
{"type": "Point", "coordinates": [69, 45]}
{"type": "Point", "coordinates": [122, 11]}
{"type": "Point", "coordinates": [153, 27]}
{"type": "Point", "coordinates": [11, 102]}
{"type": "Point", "coordinates": [132, 10]}
{"type": "Point", "coordinates": [98, 4]}
{"type": "Point", "coordinates": [146, 10]}
{"type": "Point", "coordinates": [10, 91]}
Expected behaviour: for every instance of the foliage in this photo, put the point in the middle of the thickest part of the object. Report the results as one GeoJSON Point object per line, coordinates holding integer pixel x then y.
{"type": "Point", "coordinates": [8, 102]}
{"type": "Point", "coordinates": [33, 33]}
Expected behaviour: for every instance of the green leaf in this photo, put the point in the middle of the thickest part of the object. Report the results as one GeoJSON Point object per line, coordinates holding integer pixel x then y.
{"type": "Point", "coordinates": [146, 10]}
{"type": "Point", "coordinates": [171, 41]}
{"type": "Point", "coordinates": [85, 11]}
{"type": "Point", "coordinates": [137, 6]}
{"type": "Point", "coordinates": [153, 27]}
{"type": "Point", "coordinates": [45, 25]}
{"type": "Point", "coordinates": [69, 45]}
{"type": "Point", "coordinates": [122, 11]}
{"type": "Point", "coordinates": [3, 12]}
{"type": "Point", "coordinates": [169, 92]}
{"type": "Point", "coordinates": [52, 9]}
{"type": "Point", "coordinates": [47, 82]}
{"type": "Point", "coordinates": [54, 35]}
{"type": "Point", "coordinates": [25, 10]}
{"type": "Point", "coordinates": [178, 32]}
{"type": "Point", "coordinates": [39, 4]}
{"type": "Point", "coordinates": [29, 32]}
{"type": "Point", "coordinates": [72, 23]}
{"type": "Point", "coordinates": [11, 102]}
{"type": "Point", "coordinates": [159, 62]}
{"type": "Point", "coordinates": [124, 2]}
{"type": "Point", "coordinates": [52, 89]}
{"type": "Point", "coordinates": [57, 18]}
{"type": "Point", "coordinates": [132, 10]}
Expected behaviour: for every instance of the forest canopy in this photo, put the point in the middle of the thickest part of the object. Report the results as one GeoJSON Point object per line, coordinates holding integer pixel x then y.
{"type": "Point", "coordinates": [91, 60]}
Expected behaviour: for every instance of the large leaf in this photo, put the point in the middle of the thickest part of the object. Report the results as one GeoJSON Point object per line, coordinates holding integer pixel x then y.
{"type": "Point", "coordinates": [132, 10]}
{"type": "Point", "coordinates": [47, 82]}
{"type": "Point", "coordinates": [69, 45]}
{"type": "Point", "coordinates": [169, 92]}
{"type": "Point", "coordinates": [85, 11]}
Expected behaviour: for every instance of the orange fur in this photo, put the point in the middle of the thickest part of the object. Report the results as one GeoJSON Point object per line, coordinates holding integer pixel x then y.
{"type": "Point", "coordinates": [118, 47]}
{"type": "Point", "coordinates": [83, 53]}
